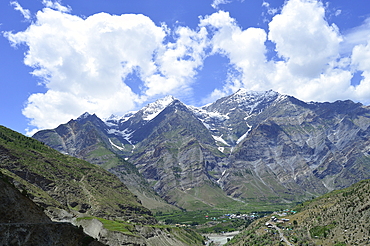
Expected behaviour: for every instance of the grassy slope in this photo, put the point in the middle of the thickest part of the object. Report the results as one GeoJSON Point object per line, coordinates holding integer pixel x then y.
{"type": "Point", "coordinates": [57, 180]}
{"type": "Point", "coordinates": [337, 218]}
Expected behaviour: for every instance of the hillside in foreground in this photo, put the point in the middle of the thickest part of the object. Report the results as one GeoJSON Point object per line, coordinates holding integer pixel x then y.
{"type": "Point", "coordinates": [338, 218]}
{"type": "Point", "coordinates": [22, 222]}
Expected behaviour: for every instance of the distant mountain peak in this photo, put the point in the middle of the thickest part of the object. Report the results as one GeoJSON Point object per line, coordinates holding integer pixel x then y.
{"type": "Point", "coordinates": [153, 109]}
{"type": "Point", "coordinates": [247, 93]}
{"type": "Point", "coordinates": [84, 116]}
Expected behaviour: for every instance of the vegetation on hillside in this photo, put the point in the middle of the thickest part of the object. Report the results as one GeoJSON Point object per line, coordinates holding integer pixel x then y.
{"type": "Point", "coordinates": [57, 182]}
{"type": "Point", "coordinates": [53, 179]}
{"type": "Point", "coordinates": [336, 219]}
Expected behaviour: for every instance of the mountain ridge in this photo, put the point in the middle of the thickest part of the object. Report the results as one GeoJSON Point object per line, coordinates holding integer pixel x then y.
{"type": "Point", "coordinates": [249, 146]}
{"type": "Point", "coordinates": [45, 195]}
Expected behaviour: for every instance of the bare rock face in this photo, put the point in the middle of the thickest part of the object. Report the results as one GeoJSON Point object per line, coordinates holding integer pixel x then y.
{"type": "Point", "coordinates": [250, 146]}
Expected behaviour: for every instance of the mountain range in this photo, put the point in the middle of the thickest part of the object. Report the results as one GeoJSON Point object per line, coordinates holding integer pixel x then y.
{"type": "Point", "coordinates": [248, 148]}
{"type": "Point", "coordinates": [50, 198]}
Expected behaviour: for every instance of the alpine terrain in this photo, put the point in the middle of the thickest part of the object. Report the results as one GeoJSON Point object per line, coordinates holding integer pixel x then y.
{"type": "Point", "coordinates": [249, 147]}
{"type": "Point", "coordinates": [49, 198]}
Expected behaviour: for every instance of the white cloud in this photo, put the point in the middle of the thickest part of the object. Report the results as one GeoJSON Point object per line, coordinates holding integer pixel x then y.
{"type": "Point", "coordinates": [245, 49]}
{"type": "Point", "coordinates": [361, 61]}
{"type": "Point", "coordinates": [56, 5]}
{"type": "Point", "coordinates": [270, 11]}
{"type": "Point", "coordinates": [303, 37]}
{"type": "Point", "coordinates": [355, 36]}
{"type": "Point", "coordinates": [218, 2]}
{"type": "Point", "coordinates": [25, 12]}
{"type": "Point", "coordinates": [177, 62]}
{"type": "Point", "coordinates": [310, 67]}
{"type": "Point", "coordinates": [84, 62]}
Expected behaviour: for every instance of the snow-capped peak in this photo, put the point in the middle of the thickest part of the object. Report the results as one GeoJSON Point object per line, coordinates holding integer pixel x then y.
{"type": "Point", "coordinates": [255, 94]}
{"type": "Point", "coordinates": [113, 117]}
{"type": "Point", "coordinates": [83, 116]}
{"type": "Point", "coordinates": [153, 109]}
{"type": "Point", "coordinates": [117, 118]}
{"type": "Point", "coordinates": [252, 100]}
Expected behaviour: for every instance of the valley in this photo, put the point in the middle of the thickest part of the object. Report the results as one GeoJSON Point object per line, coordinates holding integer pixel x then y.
{"type": "Point", "coordinates": [169, 173]}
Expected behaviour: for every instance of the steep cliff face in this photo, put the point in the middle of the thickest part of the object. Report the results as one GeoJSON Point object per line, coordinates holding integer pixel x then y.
{"type": "Point", "coordinates": [251, 146]}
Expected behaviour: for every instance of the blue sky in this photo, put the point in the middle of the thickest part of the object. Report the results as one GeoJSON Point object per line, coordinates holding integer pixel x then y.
{"type": "Point", "coordinates": [60, 59]}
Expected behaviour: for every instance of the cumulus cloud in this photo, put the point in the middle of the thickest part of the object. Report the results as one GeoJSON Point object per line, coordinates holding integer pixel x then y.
{"type": "Point", "coordinates": [25, 12]}
{"type": "Point", "coordinates": [303, 37]}
{"type": "Point", "coordinates": [312, 67]}
{"type": "Point", "coordinates": [178, 62]}
{"type": "Point", "coordinates": [84, 62]}
{"type": "Point", "coordinates": [245, 49]}
{"type": "Point", "coordinates": [361, 59]}
{"type": "Point", "coordinates": [308, 63]}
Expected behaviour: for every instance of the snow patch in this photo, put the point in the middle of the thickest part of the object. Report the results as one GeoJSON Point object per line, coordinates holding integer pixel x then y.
{"type": "Point", "coordinates": [84, 116]}
{"type": "Point", "coordinates": [208, 118]}
{"type": "Point", "coordinates": [116, 146]}
{"type": "Point", "coordinates": [244, 135]}
{"type": "Point", "coordinates": [153, 109]}
{"type": "Point", "coordinates": [125, 134]}
{"type": "Point", "coordinates": [220, 139]}
{"type": "Point", "coordinates": [222, 175]}
{"type": "Point", "coordinates": [114, 120]}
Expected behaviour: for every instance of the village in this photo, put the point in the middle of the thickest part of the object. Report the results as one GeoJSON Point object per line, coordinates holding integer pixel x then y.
{"type": "Point", "coordinates": [277, 218]}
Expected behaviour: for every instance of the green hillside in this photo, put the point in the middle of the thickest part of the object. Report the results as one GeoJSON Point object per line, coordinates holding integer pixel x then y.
{"type": "Point", "coordinates": [57, 181]}
{"type": "Point", "coordinates": [338, 218]}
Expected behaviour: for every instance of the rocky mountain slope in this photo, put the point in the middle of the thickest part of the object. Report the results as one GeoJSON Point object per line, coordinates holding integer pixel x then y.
{"type": "Point", "coordinates": [89, 138]}
{"type": "Point", "coordinates": [338, 218]}
{"type": "Point", "coordinates": [253, 147]}
{"type": "Point", "coordinates": [71, 190]}
{"type": "Point", "coordinates": [22, 222]}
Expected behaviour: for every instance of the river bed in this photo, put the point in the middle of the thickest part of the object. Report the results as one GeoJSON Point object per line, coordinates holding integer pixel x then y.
{"type": "Point", "coordinates": [220, 238]}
